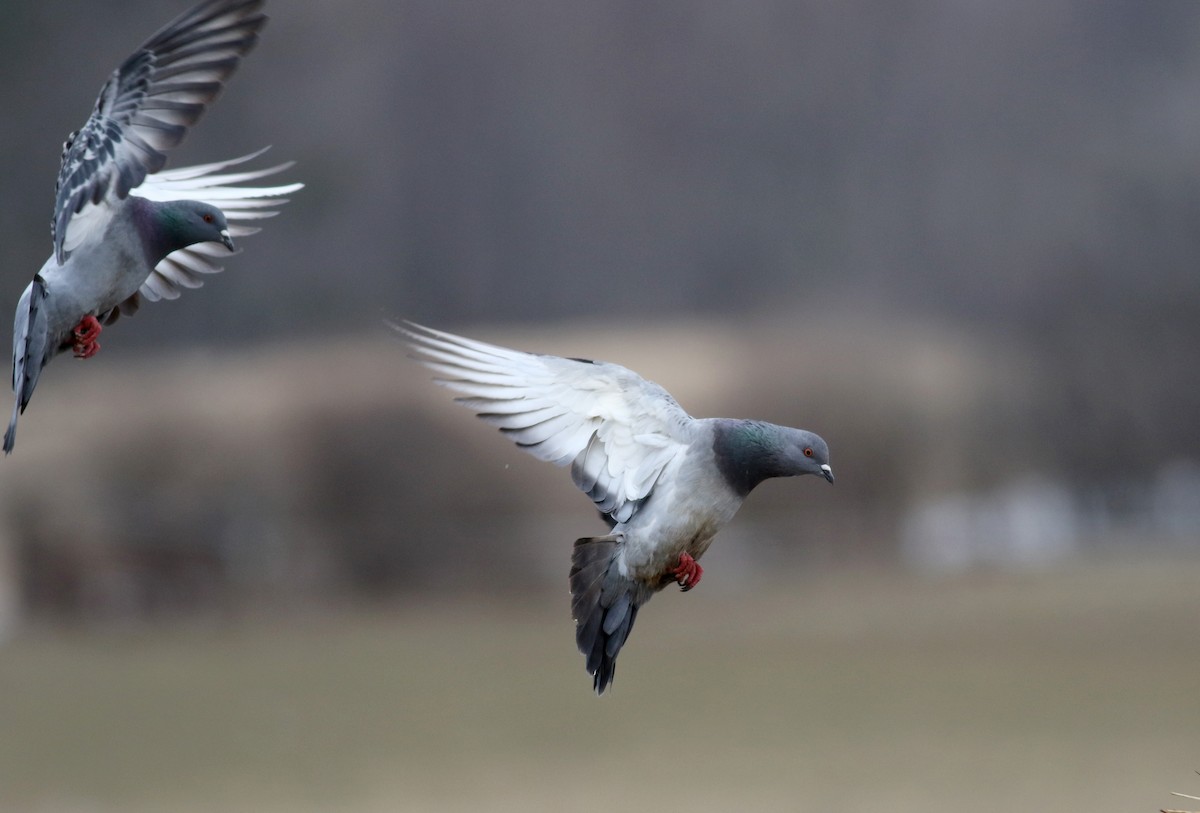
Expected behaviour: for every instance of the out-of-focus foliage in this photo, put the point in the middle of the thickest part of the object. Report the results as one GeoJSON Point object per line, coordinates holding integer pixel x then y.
{"type": "Point", "coordinates": [535, 160]}
{"type": "Point", "coordinates": [956, 238]}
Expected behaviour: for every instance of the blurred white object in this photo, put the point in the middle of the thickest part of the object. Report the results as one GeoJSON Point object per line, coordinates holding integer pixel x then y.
{"type": "Point", "coordinates": [1030, 522]}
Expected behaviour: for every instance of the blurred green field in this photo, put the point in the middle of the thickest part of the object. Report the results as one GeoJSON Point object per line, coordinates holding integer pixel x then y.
{"type": "Point", "coordinates": [1072, 689]}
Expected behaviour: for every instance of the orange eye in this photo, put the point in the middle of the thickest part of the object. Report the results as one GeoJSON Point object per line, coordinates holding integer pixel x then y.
{"type": "Point", "coordinates": [208, 218]}
{"type": "Point", "coordinates": [808, 452]}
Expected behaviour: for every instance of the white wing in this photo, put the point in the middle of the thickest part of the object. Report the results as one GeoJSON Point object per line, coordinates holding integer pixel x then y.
{"type": "Point", "coordinates": [146, 107]}
{"type": "Point", "coordinates": [182, 269]}
{"type": "Point", "coordinates": [618, 431]}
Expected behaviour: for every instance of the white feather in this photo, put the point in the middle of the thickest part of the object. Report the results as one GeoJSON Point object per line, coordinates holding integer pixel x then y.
{"type": "Point", "coordinates": [618, 431]}
{"type": "Point", "coordinates": [208, 183]}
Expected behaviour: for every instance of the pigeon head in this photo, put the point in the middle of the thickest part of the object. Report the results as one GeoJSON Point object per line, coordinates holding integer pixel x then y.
{"type": "Point", "coordinates": [803, 452]}
{"type": "Point", "coordinates": [749, 452]}
{"type": "Point", "coordinates": [182, 223]}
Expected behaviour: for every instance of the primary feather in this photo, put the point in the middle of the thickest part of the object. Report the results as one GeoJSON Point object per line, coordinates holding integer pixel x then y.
{"type": "Point", "coordinates": [121, 229]}
{"type": "Point", "coordinates": [666, 482]}
{"type": "Point", "coordinates": [616, 430]}
{"type": "Point", "coordinates": [145, 108]}
{"type": "Point", "coordinates": [206, 183]}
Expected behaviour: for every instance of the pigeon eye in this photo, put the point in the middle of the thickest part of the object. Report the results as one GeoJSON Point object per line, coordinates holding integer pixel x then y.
{"type": "Point", "coordinates": [208, 218]}
{"type": "Point", "coordinates": [808, 452]}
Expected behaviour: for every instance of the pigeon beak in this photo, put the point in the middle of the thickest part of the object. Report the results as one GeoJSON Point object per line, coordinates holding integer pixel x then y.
{"type": "Point", "coordinates": [828, 472]}
{"type": "Point", "coordinates": [226, 239]}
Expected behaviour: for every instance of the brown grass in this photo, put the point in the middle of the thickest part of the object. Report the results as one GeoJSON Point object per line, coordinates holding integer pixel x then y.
{"type": "Point", "coordinates": [851, 691]}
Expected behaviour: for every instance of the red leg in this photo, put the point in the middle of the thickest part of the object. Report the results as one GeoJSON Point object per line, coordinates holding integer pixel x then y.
{"type": "Point", "coordinates": [688, 573]}
{"type": "Point", "coordinates": [85, 335]}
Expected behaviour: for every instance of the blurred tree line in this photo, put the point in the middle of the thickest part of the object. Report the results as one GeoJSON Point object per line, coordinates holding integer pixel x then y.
{"type": "Point", "coordinates": [1031, 163]}
{"type": "Point", "coordinates": [1023, 174]}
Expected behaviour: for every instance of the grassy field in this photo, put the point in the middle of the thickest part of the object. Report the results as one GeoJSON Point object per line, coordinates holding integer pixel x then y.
{"type": "Point", "coordinates": [1077, 689]}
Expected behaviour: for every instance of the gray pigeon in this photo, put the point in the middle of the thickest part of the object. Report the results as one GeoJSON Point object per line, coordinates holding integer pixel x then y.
{"type": "Point", "coordinates": [665, 482]}
{"type": "Point", "coordinates": [122, 230]}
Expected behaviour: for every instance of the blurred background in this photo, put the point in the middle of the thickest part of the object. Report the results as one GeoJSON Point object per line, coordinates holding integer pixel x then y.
{"type": "Point", "coordinates": [251, 559]}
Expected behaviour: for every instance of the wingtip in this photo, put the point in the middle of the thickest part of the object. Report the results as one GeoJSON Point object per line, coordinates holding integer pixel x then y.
{"type": "Point", "coordinates": [409, 332]}
{"type": "Point", "coordinates": [251, 156]}
{"type": "Point", "coordinates": [399, 327]}
{"type": "Point", "coordinates": [425, 336]}
{"type": "Point", "coordinates": [406, 325]}
{"type": "Point", "coordinates": [426, 343]}
{"type": "Point", "coordinates": [413, 332]}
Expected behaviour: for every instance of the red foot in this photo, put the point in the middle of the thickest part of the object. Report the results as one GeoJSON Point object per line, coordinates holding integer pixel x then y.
{"type": "Point", "coordinates": [85, 335]}
{"type": "Point", "coordinates": [688, 573]}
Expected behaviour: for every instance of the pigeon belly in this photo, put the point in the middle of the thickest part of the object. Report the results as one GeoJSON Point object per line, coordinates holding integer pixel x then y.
{"type": "Point", "coordinates": [93, 280]}
{"type": "Point", "coordinates": [677, 520]}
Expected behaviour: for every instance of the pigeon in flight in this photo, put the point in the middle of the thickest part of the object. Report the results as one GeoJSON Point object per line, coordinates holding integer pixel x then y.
{"type": "Point", "coordinates": [123, 230]}
{"type": "Point", "coordinates": [665, 482]}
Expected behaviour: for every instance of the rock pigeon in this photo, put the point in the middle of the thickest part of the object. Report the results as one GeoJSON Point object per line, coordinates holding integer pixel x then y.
{"type": "Point", "coordinates": [665, 482]}
{"type": "Point", "coordinates": [122, 230]}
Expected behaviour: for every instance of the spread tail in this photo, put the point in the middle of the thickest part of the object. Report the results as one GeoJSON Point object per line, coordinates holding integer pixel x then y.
{"type": "Point", "coordinates": [604, 604]}
{"type": "Point", "coordinates": [29, 352]}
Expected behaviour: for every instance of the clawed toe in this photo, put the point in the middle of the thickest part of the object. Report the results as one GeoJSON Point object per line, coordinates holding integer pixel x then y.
{"type": "Point", "coordinates": [688, 573]}
{"type": "Point", "coordinates": [86, 350]}
{"type": "Point", "coordinates": [85, 335]}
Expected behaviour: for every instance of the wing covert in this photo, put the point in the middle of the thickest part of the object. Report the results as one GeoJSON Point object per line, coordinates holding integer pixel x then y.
{"type": "Point", "coordinates": [617, 431]}
{"type": "Point", "coordinates": [146, 106]}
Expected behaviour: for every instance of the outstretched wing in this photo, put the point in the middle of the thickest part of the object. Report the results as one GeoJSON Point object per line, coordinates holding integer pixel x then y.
{"type": "Point", "coordinates": [207, 183]}
{"type": "Point", "coordinates": [618, 431]}
{"type": "Point", "coordinates": [145, 107]}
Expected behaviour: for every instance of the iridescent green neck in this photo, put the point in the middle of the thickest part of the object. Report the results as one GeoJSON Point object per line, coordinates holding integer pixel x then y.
{"type": "Point", "coordinates": [745, 453]}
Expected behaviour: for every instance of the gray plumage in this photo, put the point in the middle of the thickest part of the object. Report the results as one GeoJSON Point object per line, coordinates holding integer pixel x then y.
{"type": "Point", "coordinates": [148, 103]}
{"type": "Point", "coordinates": [122, 230]}
{"type": "Point", "coordinates": [666, 482]}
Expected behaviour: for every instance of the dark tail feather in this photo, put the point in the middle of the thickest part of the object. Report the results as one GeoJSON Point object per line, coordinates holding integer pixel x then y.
{"type": "Point", "coordinates": [29, 352]}
{"type": "Point", "coordinates": [604, 605]}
